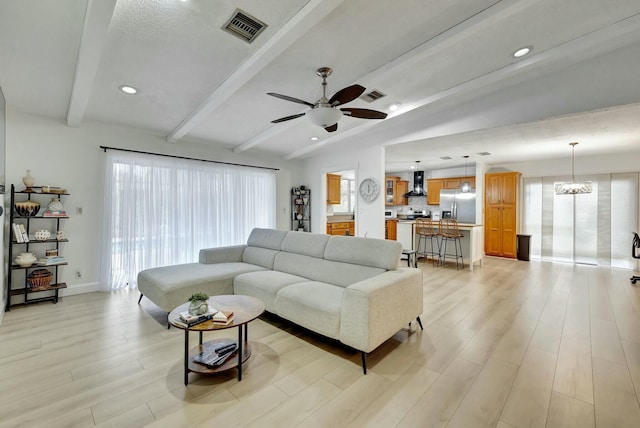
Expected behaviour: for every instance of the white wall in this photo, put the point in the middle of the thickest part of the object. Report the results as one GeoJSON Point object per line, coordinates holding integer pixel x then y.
{"type": "Point", "coordinates": [58, 155]}
{"type": "Point", "coordinates": [367, 162]}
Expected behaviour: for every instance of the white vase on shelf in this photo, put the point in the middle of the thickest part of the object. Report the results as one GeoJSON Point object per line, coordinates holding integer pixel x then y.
{"type": "Point", "coordinates": [55, 205]}
{"type": "Point", "coordinates": [28, 181]}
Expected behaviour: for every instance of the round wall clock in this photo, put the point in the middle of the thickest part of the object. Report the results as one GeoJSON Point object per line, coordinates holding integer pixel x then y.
{"type": "Point", "coordinates": [369, 189]}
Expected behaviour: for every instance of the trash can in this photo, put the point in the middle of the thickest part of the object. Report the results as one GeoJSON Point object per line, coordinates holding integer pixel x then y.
{"type": "Point", "coordinates": [524, 247]}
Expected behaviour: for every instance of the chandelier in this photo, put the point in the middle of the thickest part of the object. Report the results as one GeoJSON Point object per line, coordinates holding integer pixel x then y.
{"type": "Point", "coordinates": [573, 188]}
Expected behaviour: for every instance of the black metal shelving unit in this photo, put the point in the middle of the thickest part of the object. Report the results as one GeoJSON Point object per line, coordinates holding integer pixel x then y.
{"type": "Point", "coordinates": [301, 209]}
{"type": "Point", "coordinates": [19, 287]}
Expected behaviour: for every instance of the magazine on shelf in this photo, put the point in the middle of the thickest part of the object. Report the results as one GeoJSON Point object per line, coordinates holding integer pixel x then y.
{"type": "Point", "coordinates": [23, 230]}
{"type": "Point", "coordinates": [215, 354]}
{"type": "Point", "coordinates": [17, 233]}
{"type": "Point", "coordinates": [51, 260]}
{"type": "Point", "coordinates": [50, 213]}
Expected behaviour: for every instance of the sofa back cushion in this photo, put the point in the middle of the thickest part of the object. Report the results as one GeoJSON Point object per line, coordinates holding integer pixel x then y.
{"type": "Point", "coordinates": [317, 269]}
{"type": "Point", "coordinates": [266, 238]}
{"type": "Point", "coordinates": [378, 253]}
{"type": "Point", "coordinates": [259, 256]}
{"type": "Point", "coordinates": [309, 244]}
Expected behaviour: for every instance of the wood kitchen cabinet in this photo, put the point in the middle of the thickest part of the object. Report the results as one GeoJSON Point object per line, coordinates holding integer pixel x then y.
{"type": "Point", "coordinates": [391, 229]}
{"type": "Point", "coordinates": [434, 185]}
{"type": "Point", "coordinates": [402, 187]}
{"type": "Point", "coordinates": [394, 191]}
{"type": "Point", "coordinates": [500, 213]}
{"type": "Point", "coordinates": [454, 183]}
{"type": "Point", "coordinates": [333, 189]}
{"type": "Point", "coordinates": [341, 228]}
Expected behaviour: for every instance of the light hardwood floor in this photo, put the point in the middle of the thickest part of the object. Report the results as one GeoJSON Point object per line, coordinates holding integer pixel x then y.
{"type": "Point", "coordinates": [510, 344]}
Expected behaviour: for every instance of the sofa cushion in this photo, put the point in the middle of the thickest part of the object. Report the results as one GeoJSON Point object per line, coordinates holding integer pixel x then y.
{"type": "Point", "coordinates": [264, 285]}
{"type": "Point", "coordinates": [335, 273]}
{"type": "Point", "coordinates": [171, 286]}
{"type": "Point", "coordinates": [380, 253]}
{"type": "Point", "coordinates": [313, 305]}
{"type": "Point", "coordinates": [266, 238]}
{"type": "Point", "coordinates": [305, 243]}
{"type": "Point", "coordinates": [259, 256]}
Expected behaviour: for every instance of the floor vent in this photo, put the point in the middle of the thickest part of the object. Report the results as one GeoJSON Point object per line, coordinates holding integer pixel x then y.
{"type": "Point", "coordinates": [244, 26]}
{"type": "Point", "coordinates": [372, 96]}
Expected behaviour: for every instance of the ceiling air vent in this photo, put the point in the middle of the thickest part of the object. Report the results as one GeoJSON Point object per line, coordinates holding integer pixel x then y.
{"type": "Point", "coordinates": [446, 158]}
{"type": "Point", "coordinates": [484, 153]}
{"type": "Point", "coordinates": [372, 96]}
{"type": "Point", "coordinates": [244, 26]}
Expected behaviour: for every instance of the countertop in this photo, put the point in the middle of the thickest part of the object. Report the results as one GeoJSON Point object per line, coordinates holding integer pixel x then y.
{"type": "Point", "coordinates": [340, 221]}
{"type": "Point", "coordinates": [459, 224]}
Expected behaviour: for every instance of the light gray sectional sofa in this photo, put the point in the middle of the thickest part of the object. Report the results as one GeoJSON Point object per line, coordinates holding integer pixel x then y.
{"type": "Point", "coordinates": [346, 288]}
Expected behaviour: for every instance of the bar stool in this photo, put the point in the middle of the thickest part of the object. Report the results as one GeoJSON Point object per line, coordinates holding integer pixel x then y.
{"type": "Point", "coordinates": [425, 229]}
{"type": "Point", "coordinates": [449, 232]}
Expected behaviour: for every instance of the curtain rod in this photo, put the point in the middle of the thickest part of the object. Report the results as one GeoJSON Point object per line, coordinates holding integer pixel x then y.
{"type": "Point", "coordinates": [105, 148]}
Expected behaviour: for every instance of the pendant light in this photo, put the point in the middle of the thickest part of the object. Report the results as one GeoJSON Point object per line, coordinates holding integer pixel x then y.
{"type": "Point", "coordinates": [573, 188]}
{"type": "Point", "coordinates": [465, 186]}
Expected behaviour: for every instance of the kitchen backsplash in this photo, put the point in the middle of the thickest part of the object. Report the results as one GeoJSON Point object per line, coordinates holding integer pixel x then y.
{"type": "Point", "coordinates": [417, 204]}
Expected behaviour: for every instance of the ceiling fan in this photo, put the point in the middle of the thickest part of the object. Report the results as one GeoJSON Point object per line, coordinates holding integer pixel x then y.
{"type": "Point", "coordinates": [324, 112]}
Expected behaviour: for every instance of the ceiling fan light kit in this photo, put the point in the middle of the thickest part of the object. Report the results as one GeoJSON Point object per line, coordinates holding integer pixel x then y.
{"type": "Point", "coordinates": [573, 187]}
{"type": "Point", "coordinates": [324, 112]}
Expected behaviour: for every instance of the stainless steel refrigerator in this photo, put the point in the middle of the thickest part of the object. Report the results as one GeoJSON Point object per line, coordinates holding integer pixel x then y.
{"type": "Point", "coordinates": [461, 205]}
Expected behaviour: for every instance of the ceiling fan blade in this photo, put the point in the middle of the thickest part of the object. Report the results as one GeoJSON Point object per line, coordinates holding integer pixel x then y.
{"type": "Point", "coordinates": [363, 113]}
{"type": "Point", "coordinates": [283, 119]}
{"type": "Point", "coordinates": [332, 128]}
{"type": "Point", "coordinates": [288, 98]}
{"type": "Point", "coordinates": [346, 95]}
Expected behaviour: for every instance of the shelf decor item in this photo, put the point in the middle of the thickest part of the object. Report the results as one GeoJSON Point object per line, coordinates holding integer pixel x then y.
{"type": "Point", "coordinates": [28, 181]}
{"type": "Point", "coordinates": [55, 205]}
{"type": "Point", "coordinates": [25, 259]}
{"type": "Point", "coordinates": [42, 235]}
{"type": "Point", "coordinates": [198, 305]}
{"type": "Point", "coordinates": [39, 279]}
{"type": "Point", "coordinates": [27, 208]}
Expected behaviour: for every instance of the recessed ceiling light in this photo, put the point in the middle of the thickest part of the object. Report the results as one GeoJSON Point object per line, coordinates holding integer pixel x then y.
{"type": "Point", "coordinates": [314, 138]}
{"type": "Point", "coordinates": [522, 51]}
{"type": "Point", "coordinates": [394, 106]}
{"type": "Point", "coordinates": [128, 89]}
{"type": "Point", "coordinates": [412, 167]}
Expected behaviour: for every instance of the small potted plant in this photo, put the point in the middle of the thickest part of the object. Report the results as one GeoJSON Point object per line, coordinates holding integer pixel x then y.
{"type": "Point", "coordinates": [198, 305]}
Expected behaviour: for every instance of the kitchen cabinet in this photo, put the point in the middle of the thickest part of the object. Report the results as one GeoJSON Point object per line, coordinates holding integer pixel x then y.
{"type": "Point", "coordinates": [434, 185]}
{"type": "Point", "coordinates": [333, 189]}
{"type": "Point", "coordinates": [341, 228]}
{"type": "Point", "coordinates": [391, 229]}
{"type": "Point", "coordinates": [390, 191]}
{"type": "Point", "coordinates": [454, 183]}
{"type": "Point", "coordinates": [501, 212]}
{"type": "Point", "coordinates": [402, 187]}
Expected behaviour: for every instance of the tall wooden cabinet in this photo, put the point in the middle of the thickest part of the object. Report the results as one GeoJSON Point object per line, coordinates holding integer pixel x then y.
{"type": "Point", "coordinates": [501, 213]}
{"type": "Point", "coordinates": [333, 189]}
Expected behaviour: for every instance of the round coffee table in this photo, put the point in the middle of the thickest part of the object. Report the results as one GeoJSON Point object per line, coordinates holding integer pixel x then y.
{"type": "Point", "coordinates": [245, 309]}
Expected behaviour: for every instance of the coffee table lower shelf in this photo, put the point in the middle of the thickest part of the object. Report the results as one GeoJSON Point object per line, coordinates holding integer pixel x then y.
{"type": "Point", "coordinates": [231, 363]}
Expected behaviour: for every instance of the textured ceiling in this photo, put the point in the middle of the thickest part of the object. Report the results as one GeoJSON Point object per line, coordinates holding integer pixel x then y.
{"type": "Point", "coordinates": [448, 63]}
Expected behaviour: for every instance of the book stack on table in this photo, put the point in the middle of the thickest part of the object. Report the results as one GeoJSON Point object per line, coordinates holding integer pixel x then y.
{"type": "Point", "coordinates": [215, 354]}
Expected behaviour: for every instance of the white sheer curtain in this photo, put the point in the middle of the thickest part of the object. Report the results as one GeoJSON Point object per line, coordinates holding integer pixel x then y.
{"type": "Point", "coordinates": [594, 228]}
{"type": "Point", "coordinates": [161, 211]}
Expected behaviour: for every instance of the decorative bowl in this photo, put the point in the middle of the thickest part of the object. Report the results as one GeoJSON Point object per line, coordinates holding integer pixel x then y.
{"type": "Point", "coordinates": [39, 279]}
{"type": "Point", "coordinates": [42, 235]}
{"type": "Point", "coordinates": [27, 208]}
{"type": "Point", "coordinates": [25, 259]}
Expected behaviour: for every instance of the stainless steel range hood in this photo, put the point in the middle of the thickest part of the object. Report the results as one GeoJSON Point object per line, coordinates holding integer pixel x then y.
{"type": "Point", "coordinates": [418, 185]}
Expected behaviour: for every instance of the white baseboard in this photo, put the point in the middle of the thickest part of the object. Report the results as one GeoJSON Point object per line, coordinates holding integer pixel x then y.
{"type": "Point", "coordinates": [89, 287]}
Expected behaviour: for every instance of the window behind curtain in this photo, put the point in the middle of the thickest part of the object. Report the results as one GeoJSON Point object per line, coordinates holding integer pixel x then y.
{"type": "Point", "coordinates": [161, 211]}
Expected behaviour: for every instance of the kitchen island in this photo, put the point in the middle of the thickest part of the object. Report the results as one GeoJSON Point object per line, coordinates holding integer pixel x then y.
{"type": "Point", "coordinates": [472, 241]}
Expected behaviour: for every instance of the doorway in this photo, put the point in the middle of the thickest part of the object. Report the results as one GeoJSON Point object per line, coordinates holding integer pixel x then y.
{"type": "Point", "coordinates": [341, 202]}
